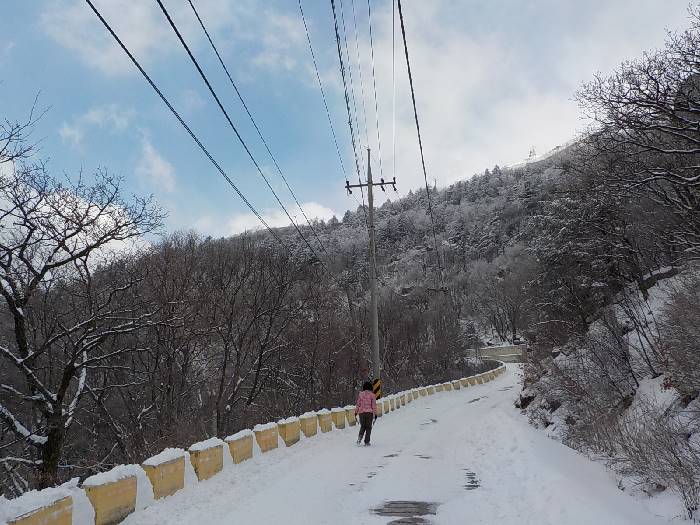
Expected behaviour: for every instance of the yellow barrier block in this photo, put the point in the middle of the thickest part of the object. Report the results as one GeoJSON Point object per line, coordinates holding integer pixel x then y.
{"type": "Point", "coordinates": [267, 436]}
{"type": "Point", "coordinates": [207, 458]}
{"type": "Point", "coordinates": [338, 417]}
{"type": "Point", "coordinates": [402, 397]}
{"type": "Point", "coordinates": [447, 386]}
{"type": "Point", "coordinates": [456, 385]}
{"type": "Point", "coordinates": [422, 391]}
{"type": "Point", "coordinates": [439, 388]}
{"type": "Point", "coordinates": [415, 394]}
{"type": "Point", "coordinates": [324, 420]}
{"type": "Point", "coordinates": [309, 424]}
{"type": "Point", "coordinates": [113, 501]}
{"type": "Point", "coordinates": [472, 381]}
{"type": "Point", "coordinates": [465, 382]}
{"type": "Point", "coordinates": [289, 430]}
{"type": "Point", "coordinates": [392, 402]}
{"type": "Point", "coordinates": [166, 471]}
{"type": "Point", "coordinates": [240, 445]}
{"type": "Point", "coordinates": [492, 375]}
{"type": "Point", "coordinates": [380, 409]}
{"type": "Point", "coordinates": [430, 390]}
{"type": "Point", "coordinates": [480, 379]}
{"type": "Point", "coordinates": [387, 405]}
{"type": "Point", "coordinates": [60, 512]}
{"type": "Point", "coordinates": [350, 414]}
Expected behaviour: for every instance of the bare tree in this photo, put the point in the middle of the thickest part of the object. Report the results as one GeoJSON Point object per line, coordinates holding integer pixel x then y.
{"type": "Point", "coordinates": [14, 136]}
{"type": "Point", "coordinates": [646, 118]}
{"type": "Point", "coordinates": [54, 237]}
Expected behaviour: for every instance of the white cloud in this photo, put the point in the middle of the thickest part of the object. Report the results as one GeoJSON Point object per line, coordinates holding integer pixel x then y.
{"type": "Point", "coordinates": [154, 169]}
{"type": "Point", "coordinates": [71, 134]}
{"type": "Point", "coordinates": [242, 222]}
{"type": "Point", "coordinates": [488, 96]}
{"type": "Point", "coordinates": [283, 40]}
{"type": "Point", "coordinates": [145, 31]}
{"type": "Point", "coordinates": [191, 101]}
{"type": "Point", "coordinates": [6, 49]}
{"type": "Point", "coordinates": [109, 117]}
{"type": "Point", "coordinates": [73, 25]}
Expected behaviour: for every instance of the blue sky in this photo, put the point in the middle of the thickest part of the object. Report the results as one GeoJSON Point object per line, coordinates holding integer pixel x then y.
{"type": "Point", "coordinates": [493, 79]}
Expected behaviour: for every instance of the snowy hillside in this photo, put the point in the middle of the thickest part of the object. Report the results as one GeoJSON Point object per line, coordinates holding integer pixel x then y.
{"type": "Point", "coordinates": [637, 416]}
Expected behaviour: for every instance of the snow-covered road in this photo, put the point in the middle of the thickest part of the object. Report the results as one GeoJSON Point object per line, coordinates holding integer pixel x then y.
{"type": "Point", "coordinates": [468, 451]}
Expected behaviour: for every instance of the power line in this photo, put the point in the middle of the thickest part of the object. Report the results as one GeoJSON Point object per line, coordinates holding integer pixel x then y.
{"type": "Point", "coordinates": [347, 97]}
{"type": "Point", "coordinates": [393, 88]}
{"type": "Point", "coordinates": [374, 83]}
{"type": "Point", "coordinates": [345, 86]}
{"type": "Point", "coordinates": [323, 93]}
{"type": "Point", "coordinates": [325, 105]}
{"type": "Point", "coordinates": [184, 124]}
{"type": "Point", "coordinates": [352, 84]}
{"type": "Point", "coordinates": [255, 125]}
{"type": "Point", "coordinates": [359, 68]}
{"type": "Point", "coordinates": [232, 126]}
{"type": "Point", "coordinates": [420, 141]}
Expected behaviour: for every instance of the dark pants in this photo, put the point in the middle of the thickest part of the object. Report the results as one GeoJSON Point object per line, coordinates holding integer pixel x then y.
{"type": "Point", "coordinates": [365, 426]}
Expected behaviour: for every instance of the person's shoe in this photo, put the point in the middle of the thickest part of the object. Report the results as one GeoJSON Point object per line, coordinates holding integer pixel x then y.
{"type": "Point", "coordinates": [367, 444]}
{"type": "Point", "coordinates": [358, 442]}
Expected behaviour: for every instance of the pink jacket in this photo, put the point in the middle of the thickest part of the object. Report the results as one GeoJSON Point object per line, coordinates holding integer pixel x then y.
{"type": "Point", "coordinates": [366, 402]}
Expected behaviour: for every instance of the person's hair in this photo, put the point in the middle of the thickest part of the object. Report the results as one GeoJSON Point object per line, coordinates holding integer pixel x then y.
{"type": "Point", "coordinates": [367, 386]}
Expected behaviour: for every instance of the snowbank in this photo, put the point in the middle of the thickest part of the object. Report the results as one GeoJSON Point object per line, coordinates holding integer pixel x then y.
{"type": "Point", "coordinates": [31, 501]}
{"type": "Point", "coordinates": [169, 454]}
{"type": "Point", "coordinates": [240, 434]}
{"type": "Point", "coordinates": [206, 444]}
{"type": "Point", "coordinates": [110, 476]}
{"type": "Point", "coordinates": [263, 427]}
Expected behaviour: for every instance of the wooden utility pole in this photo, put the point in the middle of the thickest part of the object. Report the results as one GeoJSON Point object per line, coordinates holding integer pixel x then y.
{"type": "Point", "coordinates": [376, 362]}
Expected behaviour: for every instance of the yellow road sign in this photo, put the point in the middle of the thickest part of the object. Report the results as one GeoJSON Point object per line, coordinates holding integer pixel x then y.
{"type": "Point", "coordinates": [377, 388]}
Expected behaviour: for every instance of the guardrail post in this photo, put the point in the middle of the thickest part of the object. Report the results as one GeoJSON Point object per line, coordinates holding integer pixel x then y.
{"type": "Point", "coordinates": [240, 445]}
{"type": "Point", "coordinates": [338, 417]}
{"type": "Point", "coordinates": [166, 471]}
{"type": "Point", "coordinates": [60, 512]}
{"type": "Point", "coordinates": [266, 435]}
{"type": "Point", "coordinates": [309, 424]}
{"type": "Point", "coordinates": [113, 500]}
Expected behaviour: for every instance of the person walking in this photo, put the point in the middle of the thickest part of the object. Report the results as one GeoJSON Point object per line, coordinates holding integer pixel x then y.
{"type": "Point", "coordinates": [366, 410]}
